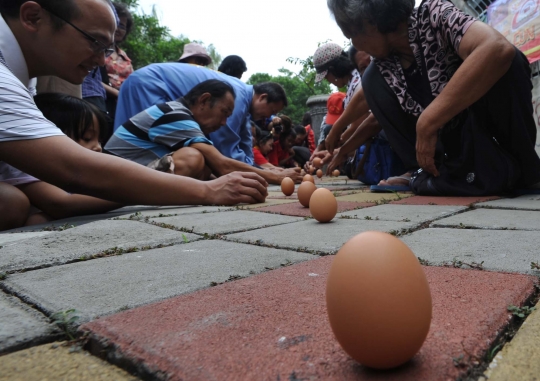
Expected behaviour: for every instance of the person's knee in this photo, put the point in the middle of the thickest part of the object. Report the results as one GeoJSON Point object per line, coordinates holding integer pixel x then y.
{"type": "Point", "coordinates": [14, 207]}
{"type": "Point", "coordinates": [188, 162]}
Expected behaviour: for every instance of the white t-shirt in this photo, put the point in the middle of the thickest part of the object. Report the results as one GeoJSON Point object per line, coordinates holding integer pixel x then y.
{"type": "Point", "coordinates": [20, 119]}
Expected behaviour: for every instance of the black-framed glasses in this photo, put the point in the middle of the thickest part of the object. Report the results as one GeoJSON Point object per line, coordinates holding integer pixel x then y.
{"type": "Point", "coordinates": [97, 46]}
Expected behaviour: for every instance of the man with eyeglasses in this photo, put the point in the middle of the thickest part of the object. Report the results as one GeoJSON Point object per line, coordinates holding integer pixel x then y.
{"type": "Point", "coordinates": [69, 39]}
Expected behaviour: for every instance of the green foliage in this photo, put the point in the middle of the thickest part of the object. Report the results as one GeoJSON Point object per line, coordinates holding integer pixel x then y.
{"type": "Point", "coordinates": [66, 321]}
{"type": "Point", "coordinates": [298, 91]}
{"type": "Point", "coordinates": [521, 312]}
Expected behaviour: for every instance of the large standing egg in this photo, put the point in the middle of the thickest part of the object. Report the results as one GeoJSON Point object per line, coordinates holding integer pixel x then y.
{"type": "Point", "coordinates": [317, 162]}
{"type": "Point", "coordinates": [305, 190]}
{"type": "Point", "coordinates": [378, 300]}
{"type": "Point", "coordinates": [287, 186]}
{"type": "Point", "coordinates": [323, 205]}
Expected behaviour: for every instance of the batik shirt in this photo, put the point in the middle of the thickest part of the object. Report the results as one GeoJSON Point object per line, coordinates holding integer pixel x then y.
{"type": "Point", "coordinates": [437, 28]}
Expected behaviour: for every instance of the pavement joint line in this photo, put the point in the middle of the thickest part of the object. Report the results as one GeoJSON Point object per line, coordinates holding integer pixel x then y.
{"type": "Point", "coordinates": [272, 246]}
{"type": "Point", "coordinates": [137, 215]}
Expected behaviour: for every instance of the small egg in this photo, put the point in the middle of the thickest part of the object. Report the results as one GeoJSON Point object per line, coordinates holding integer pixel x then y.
{"type": "Point", "coordinates": [319, 173]}
{"type": "Point", "coordinates": [305, 190]}
{"type": "Point", "coordinates": [336, 172]}
{"type": "Point", "coordinates": [287, 186]}
{"type": "Point", "coordinates": [317, 162]}
{"type": "Point", "coordinates": [311, 169]}
{"type": "Point", "coordinates": [323, 205]}
{"type": "Point", "coordinates": [378, 300]}
{"type": "Point", "coordinates": [308, 178]}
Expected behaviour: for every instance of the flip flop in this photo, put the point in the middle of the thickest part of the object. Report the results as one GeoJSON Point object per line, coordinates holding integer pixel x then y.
{"type": "Point", "coordinates": [392, 188]}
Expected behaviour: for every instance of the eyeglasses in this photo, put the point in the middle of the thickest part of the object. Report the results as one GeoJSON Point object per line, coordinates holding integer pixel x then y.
{"type": "Point", "coordinates": [97, 46]}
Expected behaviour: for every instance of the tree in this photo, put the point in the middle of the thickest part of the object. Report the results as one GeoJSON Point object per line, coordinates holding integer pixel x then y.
{"type": "Point", "coordinates": [298, 91]}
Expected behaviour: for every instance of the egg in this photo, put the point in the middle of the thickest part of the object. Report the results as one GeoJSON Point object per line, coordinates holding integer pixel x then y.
{"type": "Point", "coordinates": [378, 300]}
{"type": "Point", "coordinates": [323, 205]}
{"type": "Point", "coordinates": [305, 190]}
{"type": "Point", "coordinates": [336, 172]}
{"type": "Point", "coordinates": [311, 169]}
{"type": "Point", "coordinates": [317, 162]}
{"type": "Point", "coordinates": [308, 178]}
{"type": "Point", "coordinates": [287, 186]}
{"type": "Point", "coordinates": [319, 173]}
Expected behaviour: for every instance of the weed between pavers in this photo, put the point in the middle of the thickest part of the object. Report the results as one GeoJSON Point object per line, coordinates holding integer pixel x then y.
{"type": "Point", "coordinates": [57, 228]}
{"type": "Point", "coordinates": [521, 312]}
{"type": "Point", "coordinates": [456, 263]}
{"type": "Point", "coordinates": [115, 251]}
{"type": "Point", "coordinates": [66, 322]}
{"type": "Point", "coordinates": [535, 265]}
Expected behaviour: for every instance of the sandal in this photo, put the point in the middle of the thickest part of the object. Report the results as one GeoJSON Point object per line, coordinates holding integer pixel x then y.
{"type": "Point", "coordinates": [393, 188]}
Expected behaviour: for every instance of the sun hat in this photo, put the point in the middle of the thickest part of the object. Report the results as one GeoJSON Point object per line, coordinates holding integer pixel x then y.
{"type": "Point", "coordinates": [323, 56]}
{"type": "Point", "coordinates": [193, 49]}
{"type": "Point", "coordinates": [335, 107]}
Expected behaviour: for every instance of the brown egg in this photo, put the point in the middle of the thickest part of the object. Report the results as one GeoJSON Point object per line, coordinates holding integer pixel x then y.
{"type": "Point", "coordinates": [323, 205]}
{"type": "Point", "coordinates": [311, 169]}
{"type": "Point", "coordinates": [378, 300]}
{"type": "Point", "coordinates": [287, 186]}
{"type": "Point", "coordinates": [319, 173]}
{"type": "Point", "coordinates": [336, 172]}
{"type": "Point", "coordinates": [308, 178]}
{"type": "Point", "coordinates": [305, 190]}
{"type": "Point", "coordinates": [317, 162]}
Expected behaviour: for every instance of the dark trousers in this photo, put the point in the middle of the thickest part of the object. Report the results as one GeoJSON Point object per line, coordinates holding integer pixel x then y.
{"type": "Point", "coordinates": [505, 111]}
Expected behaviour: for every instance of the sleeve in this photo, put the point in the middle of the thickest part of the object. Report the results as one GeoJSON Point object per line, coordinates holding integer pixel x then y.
{"type": "Point", "coordinates": [178, 134]}
{"type": "Point", "coordinates": [259, 157]}
{"type": "Point", "coordinates": [449, 22]}
{"type": "Point", "coordinates": [20, 119]}
{"type": "Point", "coordinates": [273, 156]}
{"type": "Point", "coordinates": [311, 140]}
{"type": "Point", "coordinates": [322, 135]}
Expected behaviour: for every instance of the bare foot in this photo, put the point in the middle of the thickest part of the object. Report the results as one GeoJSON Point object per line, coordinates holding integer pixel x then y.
{"type": "Point", "coordinates": [397, 180]}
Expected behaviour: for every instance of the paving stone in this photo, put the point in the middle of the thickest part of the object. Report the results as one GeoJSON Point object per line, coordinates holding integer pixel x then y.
{"type": "Point", "coordinates": [493, 219]}
{"type": "Point", "coordinates": [268, 202]}
{"type": "Point", "coordinates": [108, 285]}
{"type": "Point", "coordinates": [338, 191]}
{"type": "Point", "coordinates": [530, 202]}
{"type": "Point", "coordinates": [225, 222]}
{"type": "Point", "coordinates": [520, 358]}
{"type": "Point", "coordinates": [373, 197]}
{"type": "Point", "coordinates": [501, 250]}
{"type": "Point", "coordinates": [317, 237]}
{"type": "Point", "coordinates": [274, 327]}
{"type": "Point", "coordinates": [405, 213]}
{"type": "Point", "coordinates": [58, 362]}
{"type": "Point", "coordinates": [7, 239]}
{"type": "Point", "coordinates": [20, 325]}
{"type": "Point", "coordinates": [168, 212]}
{"type": "Point", "coordinates": [297, 209]}
{"type": "Point", "coordinates": [432, 200]}
{"type": "Point", "coordinates": [85, 241]}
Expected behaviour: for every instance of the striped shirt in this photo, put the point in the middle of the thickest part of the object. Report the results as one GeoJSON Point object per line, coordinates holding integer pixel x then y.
{"type": "Point", "coordinates": [156, 132]}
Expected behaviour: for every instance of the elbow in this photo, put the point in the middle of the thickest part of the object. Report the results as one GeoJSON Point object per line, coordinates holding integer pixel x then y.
{"type": "Point", "coordinates": [504, 52]}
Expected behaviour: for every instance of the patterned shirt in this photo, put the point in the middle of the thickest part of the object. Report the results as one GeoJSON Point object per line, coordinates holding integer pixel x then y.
{"type": "Point", "coordinates": [118, 67]}
{"type": "Point", "coordinates": [435, 28]}
{"type": "Point", "coordinates": [156, 132]}
{"type": "Point", "coordinates": [352, 86]}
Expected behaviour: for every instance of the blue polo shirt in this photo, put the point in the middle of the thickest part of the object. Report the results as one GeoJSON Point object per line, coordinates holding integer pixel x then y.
{"type": "Point", "coordinates": [161, 83]}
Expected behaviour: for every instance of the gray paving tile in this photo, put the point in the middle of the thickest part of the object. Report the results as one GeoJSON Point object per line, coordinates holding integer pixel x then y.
{"type": "Point", "coordinates": [226, 222]}
{"type": "Point", "coordinates": [7, 239]}
{"type": "Point", "coordinates": [405, 213]}
{"type": "Point", "coordinates": [108, 285]}
{"type": "Point", "coordinates": [530, 202]}
{"type": "Point", "coordinates": [317, 237]}
{"type": "Point", "coordinates": [20, 325]}
{"type": "Point", "coordinates": [87, 240]}
{"type": "Point", "coordinates": [501, 250]}
{"type": "Point", "coordinates": [170, 212]}
{"type": "Point", "coordinates": [493, 219]}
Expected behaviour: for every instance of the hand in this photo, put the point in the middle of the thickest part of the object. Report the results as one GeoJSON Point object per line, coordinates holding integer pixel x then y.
{"type": "Point", "coordinates": [334, 163]}
{"type": "Point", "coordinates": [331, 141]}
{"type": "Point", "coordinates": [293, 173]}
{"type": "Point", "coordinates": [236, 188]}
{"type": "Point", "coordinates": [426, 143]}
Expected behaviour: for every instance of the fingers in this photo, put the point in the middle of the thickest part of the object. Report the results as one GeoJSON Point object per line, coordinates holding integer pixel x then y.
{"type": "Point", "coordinates": [255, 185]}
{"type": "Point", "coordinates": [253, 176]}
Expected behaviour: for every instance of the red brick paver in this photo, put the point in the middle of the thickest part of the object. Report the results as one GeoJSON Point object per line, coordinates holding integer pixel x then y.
{"type": "Point", "coordinates": [431, 200]}
{"type": "Point", "coordinates": [298, 210]}
{"type": "Point", "coordinates": [274, 327]}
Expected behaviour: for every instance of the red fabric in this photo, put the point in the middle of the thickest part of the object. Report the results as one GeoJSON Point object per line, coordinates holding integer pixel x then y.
{"type": "Point", "coordinates": [118, 67]}
{"type": "Point", "coordinates": [310, 138]}
{"type": "Point", "coordinates": [277, 154]}
{"type": "Point", "coordinates": [259, 157]}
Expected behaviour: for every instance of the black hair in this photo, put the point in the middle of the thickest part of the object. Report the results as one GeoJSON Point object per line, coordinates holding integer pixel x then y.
{"type": "Point", "coordinates": [262, 136]}
{"type": "Point", "coordinates": [300, 130]}
{"type": "Point", "coordinates": [216, 88]}
{"type": "Point", "coordinates": [306, 119]}
{"type": "Point", "coordinates": [276, 93]}
{"type": "Point", "coordinates": [66, 9]}
{"type": "Point", "coordinates": [352, 52]}
{"type": "Point", "coordinates": [341, 66]}
{"type": "Point", "coordinates": [233, 65]}
{"type": "Point", "coordinates": [72, 115]}
{"type": "Point", "coordinates": [287, 129]}
{"type": "Point", "coordinates": [122, 10]}
{"type": "Point", "coordinates": [386, 15]}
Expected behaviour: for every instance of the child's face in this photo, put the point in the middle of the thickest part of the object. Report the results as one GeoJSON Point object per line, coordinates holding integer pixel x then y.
{"type": "Point", "coordinates": [90, 138]}
{"type": "Point", "coordinates": [299, 139]}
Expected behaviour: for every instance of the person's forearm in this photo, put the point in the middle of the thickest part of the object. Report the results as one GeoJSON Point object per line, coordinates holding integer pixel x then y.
{"type": "Point", "coordinates": [76, 169]}
{"type": "Point", "coordinates": [111, 91]}
{"type": "Point", "coordinates": [224, 165]}
{"type": "Point", "coordinates": [369, 128]}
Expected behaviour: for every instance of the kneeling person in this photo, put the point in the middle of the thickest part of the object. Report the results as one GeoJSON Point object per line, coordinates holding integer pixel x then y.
{"type": "Point", "coordinates": [173, 136]}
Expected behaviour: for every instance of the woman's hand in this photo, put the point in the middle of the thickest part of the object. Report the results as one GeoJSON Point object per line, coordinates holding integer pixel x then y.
{"type": "Point", "coordinates": [336, 161]}
{"type": "Point", "coordinates": [426, 143]}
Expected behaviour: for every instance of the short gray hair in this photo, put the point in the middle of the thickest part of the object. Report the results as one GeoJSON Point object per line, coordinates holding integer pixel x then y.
{"type": "Point", "coordinates": [386, 15]}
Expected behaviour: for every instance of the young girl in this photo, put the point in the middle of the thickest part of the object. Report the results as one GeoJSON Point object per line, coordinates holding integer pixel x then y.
{"type": "Point", "coordinates": [264, 143]}
{"type": "Point", "coordinates": [86, 125]}
{"type": "Point", "coordinates": [282, 154]}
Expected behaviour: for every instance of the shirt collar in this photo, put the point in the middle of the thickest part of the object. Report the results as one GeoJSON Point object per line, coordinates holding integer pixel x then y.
{"type": "Point", "coordinates": [12, 53]}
